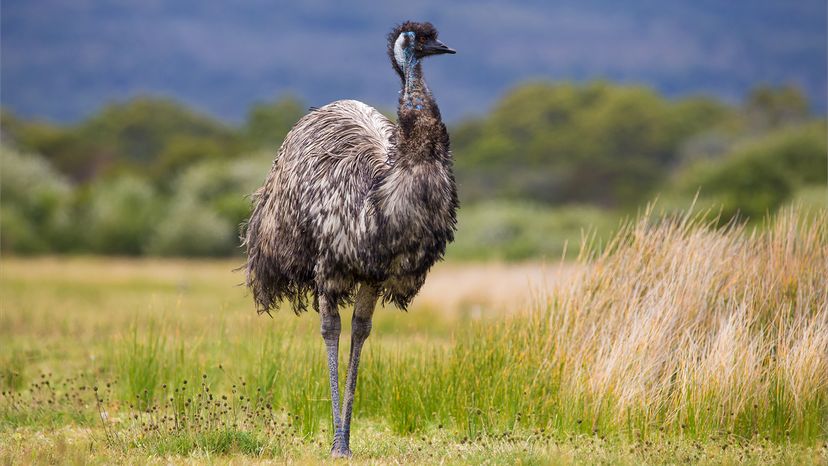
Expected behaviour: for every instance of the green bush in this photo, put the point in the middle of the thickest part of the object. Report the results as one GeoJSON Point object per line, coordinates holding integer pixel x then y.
{"type": "Point", "coordinates": [519, 231]}
{"type": "Point", "coordinates": [193, 229]}
{"type": "Point", "coordinates": [208, 204]}
{"type": "Point", "coordinates": [139, 136]}
{"type": "Point", "coordinates": [561, 143]}
{"type": "Point", "coordinates": [32, 197]}
{"type": "Point", "coordinates": [810, 198]}
{"type": "Point", "coordinates": [268, 123]}
{"type": "Point", "coordinates": [759, 176]}
{"type": "Point", "coordinates": [121, 216]}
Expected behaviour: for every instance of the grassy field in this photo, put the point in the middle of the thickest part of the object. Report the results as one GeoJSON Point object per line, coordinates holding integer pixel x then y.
{"type": "Point", "coordinates": [677, 343]}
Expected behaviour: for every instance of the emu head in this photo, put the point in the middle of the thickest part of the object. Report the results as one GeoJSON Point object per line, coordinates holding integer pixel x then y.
{"type": "Point", "coordinates": [410, 42]}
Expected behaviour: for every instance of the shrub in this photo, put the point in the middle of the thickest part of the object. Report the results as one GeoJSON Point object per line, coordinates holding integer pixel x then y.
{"type": "Point", "coordinates": [758, 177]}
{"type": "Point", "coordinates": [122, 215]}
{"type": "Point", "coordinates": [32, 195]}
{"type": "Point", "coordinates": [191, 228]}
{"type": "Point", "coordinates": [208, 205]}
{"type": "Point", "coordinates": [518, 231]}
{"type": "Point", "coordinates": [593, 143]}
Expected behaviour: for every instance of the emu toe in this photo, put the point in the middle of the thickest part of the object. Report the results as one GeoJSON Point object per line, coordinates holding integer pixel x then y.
{"type": "Point", "coordinates": [340, 446]}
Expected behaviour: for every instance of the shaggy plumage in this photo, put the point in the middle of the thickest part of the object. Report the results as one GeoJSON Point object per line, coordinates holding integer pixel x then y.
{"type": "Point", "coordinates": [354, 209]}
{"type": "Point", "coordinates": [353, 198]}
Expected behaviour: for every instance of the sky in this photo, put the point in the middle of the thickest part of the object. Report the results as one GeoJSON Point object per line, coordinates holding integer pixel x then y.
{"type": "Point", "coordinates": [63, 60]}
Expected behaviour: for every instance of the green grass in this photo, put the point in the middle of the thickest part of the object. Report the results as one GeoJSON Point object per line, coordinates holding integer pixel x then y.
{"type": "Point", "coordinates": [374, 444]}
{"type": "Point", "coordinates": [134, 361]}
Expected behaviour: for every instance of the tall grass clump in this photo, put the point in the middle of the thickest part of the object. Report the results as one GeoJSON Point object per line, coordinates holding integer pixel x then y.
{"type": "Point", "coordinates": [680, 325]}
{"type": "Point", "coordinates": [141, 364]}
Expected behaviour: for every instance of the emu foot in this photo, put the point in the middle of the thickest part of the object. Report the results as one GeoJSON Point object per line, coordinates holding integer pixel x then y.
{"type": "Point", "coordinates": [340, 446]}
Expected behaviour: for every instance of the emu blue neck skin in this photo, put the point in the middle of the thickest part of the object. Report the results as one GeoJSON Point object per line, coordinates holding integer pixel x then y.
{"type": "Point", "coordinates": [413, 77]}
{"type": "Point", "coordinates": [414, 88]}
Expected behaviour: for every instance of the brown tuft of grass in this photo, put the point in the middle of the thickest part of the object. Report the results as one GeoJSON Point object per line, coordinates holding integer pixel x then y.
{"type": "Point", "coordinates": [679, 323]}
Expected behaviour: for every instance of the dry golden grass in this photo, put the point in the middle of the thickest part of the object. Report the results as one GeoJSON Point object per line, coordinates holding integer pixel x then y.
{"type": "Point", "coordinates": [680, 323]}
{"type": "Point", "coordinates": [55, 297]}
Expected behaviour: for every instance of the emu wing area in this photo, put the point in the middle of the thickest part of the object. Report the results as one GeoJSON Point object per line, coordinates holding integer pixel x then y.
{"type": "Point", "coordinates": [312, 218]}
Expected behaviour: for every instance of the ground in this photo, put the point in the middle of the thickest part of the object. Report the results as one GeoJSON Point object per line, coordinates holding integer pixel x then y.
{"type": "Point", "coordinates": [117, 360]}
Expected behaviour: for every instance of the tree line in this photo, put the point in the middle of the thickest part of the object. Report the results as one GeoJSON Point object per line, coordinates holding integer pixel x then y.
{"type": "Point", "coordinates": [152, 176]}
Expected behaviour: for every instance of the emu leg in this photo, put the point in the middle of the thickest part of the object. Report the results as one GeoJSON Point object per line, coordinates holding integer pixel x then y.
{"type": "Point", "coordinates": [360, 329]}
{"type": "Point", "coordinates": [331, 328]}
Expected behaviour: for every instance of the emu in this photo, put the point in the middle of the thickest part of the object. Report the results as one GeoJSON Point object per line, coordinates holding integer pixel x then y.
{"type": "Point", "coordinates": [356, 209]}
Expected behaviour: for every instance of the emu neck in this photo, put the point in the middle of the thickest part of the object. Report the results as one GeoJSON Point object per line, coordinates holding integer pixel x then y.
{"type": "Point", "coordinates": [414, 90]}
{"type": "Point", "coordinates": [421, 133]}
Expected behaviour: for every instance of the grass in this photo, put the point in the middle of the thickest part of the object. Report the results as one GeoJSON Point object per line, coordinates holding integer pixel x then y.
{"type": "Point", "coordinates": [677, 342]}
{"type": "Point", "coordinates": [376, 445]}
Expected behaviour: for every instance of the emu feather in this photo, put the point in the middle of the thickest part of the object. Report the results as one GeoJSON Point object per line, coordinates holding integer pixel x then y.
{"type": "Point", "coordinates": [353, 198]}
{"type": "Point", "coordinates": [342, 205]}
{"type": "Point", "coordinates": [356, 208]}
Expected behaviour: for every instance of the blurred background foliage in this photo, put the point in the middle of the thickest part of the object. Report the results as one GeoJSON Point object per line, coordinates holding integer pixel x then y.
{"type": "Point", "coordinates": [548, 164]}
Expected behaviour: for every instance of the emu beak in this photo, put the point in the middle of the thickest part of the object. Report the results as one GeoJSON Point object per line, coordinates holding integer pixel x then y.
{"type": "Point", "coordinates": [435, 47]}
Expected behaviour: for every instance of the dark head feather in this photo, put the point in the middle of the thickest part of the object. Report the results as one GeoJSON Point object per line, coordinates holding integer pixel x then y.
{"type": "Point", "coordinates": [423, 32]}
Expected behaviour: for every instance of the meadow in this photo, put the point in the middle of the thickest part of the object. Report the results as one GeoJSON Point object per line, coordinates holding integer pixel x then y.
{"type": "Point", "coordinates": [676, 341]}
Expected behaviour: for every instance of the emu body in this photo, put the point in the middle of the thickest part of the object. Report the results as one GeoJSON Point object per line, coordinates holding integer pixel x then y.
{"type": "Point", "coordinates": [355, 209]}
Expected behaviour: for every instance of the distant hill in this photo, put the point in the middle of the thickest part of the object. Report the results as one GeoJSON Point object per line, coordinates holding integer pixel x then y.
{"type": "Point", "coordinates": [63, 60]}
